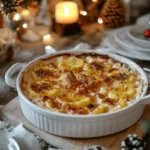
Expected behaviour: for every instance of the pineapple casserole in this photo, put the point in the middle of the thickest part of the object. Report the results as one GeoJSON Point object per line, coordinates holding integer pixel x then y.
{"type": "Point", "coordinates": [81, 84]}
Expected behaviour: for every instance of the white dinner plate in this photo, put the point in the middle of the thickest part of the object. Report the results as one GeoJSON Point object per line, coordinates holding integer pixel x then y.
{"type": "Point", "coordinates": [110, 42]}
{"type": "Point", "coordinates": [121, 37]}
{"type": "Point", "coordinates": [136, 34]}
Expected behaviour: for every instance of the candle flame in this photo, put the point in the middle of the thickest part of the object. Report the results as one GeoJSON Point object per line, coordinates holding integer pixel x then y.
{"type": "Point", "coordinates": [84, 13]}
{"type": "Point", "coordinates": [24, 25]}
{"type": "Point", "coordinates": [16, 17]}
{"type": "Point", "coordinates": [46, 36]}
{"type": "Point", "coordinates": [66, 11]}
{"type": "Point", "coordinates": [94, 0]}
{"type": "Point", "coordinates": [100, 21]}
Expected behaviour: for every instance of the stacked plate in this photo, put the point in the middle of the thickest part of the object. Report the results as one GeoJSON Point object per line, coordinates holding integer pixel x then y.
{"type": "Point", "coordinates": [130, 42]}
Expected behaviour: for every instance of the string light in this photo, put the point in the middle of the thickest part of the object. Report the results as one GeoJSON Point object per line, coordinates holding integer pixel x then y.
{"type": "Point", "coordinates": [100, 21]}
{"type": "Point", "coordinates": [16, 17]}
{"type": "Point", "coordinates": [24, 25]}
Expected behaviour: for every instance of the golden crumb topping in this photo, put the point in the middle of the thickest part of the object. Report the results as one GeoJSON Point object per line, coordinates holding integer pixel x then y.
{"type": "Point", "coordinates": [81, 84]}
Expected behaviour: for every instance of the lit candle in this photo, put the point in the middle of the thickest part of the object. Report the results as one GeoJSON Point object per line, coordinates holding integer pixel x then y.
{"type": "Point", "coordinates": [47, 39]}
{"type": "Point", "coordinates": [94, 0]}
{"type": "Point", "coordinates": [66, 12]}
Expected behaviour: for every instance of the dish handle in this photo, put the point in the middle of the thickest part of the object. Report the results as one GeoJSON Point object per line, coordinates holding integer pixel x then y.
{"type": "Point", "coordinates": [145, 99]}
{"type": "Point", "coordinates": [10, 81]}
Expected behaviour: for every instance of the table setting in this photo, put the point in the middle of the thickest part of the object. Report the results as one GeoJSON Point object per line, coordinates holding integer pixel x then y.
{"type": "Point", "coordinates": [123, 44]}
{"type": "Point", "coordinates": [74, 75]}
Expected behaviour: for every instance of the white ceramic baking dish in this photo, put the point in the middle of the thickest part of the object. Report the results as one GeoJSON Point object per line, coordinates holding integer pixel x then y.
{"type": "Point", "coordinates": [79, 126]}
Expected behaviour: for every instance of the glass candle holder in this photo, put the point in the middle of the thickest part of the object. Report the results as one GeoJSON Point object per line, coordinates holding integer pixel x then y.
{"type": "Point", "coordinates": [65, 17]}
{"type": "Point", "coordinates": [13, 23]}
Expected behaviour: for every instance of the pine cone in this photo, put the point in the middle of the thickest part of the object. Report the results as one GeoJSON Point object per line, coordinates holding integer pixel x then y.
{"type": "Point", "coordinates": [113, 14]}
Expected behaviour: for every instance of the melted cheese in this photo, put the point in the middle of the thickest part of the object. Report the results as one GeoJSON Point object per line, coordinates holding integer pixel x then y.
{"type": "Point", "coordinates": [81, 84]}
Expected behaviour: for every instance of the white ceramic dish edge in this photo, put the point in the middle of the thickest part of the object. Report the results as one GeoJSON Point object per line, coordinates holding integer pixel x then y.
{"type": "Point", "coordinates": [80, 126]}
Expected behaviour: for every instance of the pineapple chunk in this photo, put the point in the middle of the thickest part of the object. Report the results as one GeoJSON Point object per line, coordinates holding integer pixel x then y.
{"type": "Point", "coordinates": [71, 64]}
{"type": "Point", "coordinates": [49, 68]}
{"type": "Point", "coordinates": [71, 95]}
{"type": "Point", "coordinates": [53, 93]}
{"type": "Point", "coordinates": [116, 84]}
{"type": "Point", "coordinates": [123, 95]}
{"type": "Point", "coordinates": [81, 104]}
{"type": "Point", "coordinates": [33, 94]}
{"type": "Point", "coordinates": [131, 79]}
{"type": "Point", "coordinates": [131, 92]}
{"type": "Point", "coordinates": [107, 66]}
{"type": "Point", "coordinates": [132, 86]}
{"type": "Point", "coordinates": [87, 69]}
{"type": "Point", "coordinates": [63, 64]}
{"type": "Point", "coordinates": [48, 104]}
{"type": "Point", "coordinates": [101, 109]}
{"type": "Point", "coordinates": [113, 95]}
{"type": "Point", "coordinates": [123, 104]}
{"type": "Point", "coordinates": [103, 90]}
{"type": "Point", "coordinates": [75, 63]}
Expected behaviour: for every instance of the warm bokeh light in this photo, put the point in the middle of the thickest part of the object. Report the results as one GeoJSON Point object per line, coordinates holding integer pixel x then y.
{"type": "Point", "coordinates": [66, 12]}
{"type": "Point", "coordinates": [47, 39]}
{"type": "Point", "coordinates": [46, 36]}
{"type": "Point", "coordinates": [84, 13]}
{"type": "Point", "coordinates": [24, 25]}
{"type": "Point", "coordinates": [100, 21]}
{"type": "Point", "coordinates": [94, 0]}
{"type": "Point", "coordinates": [16, 17]}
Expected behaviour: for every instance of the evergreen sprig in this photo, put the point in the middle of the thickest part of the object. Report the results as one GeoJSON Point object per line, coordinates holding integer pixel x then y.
{"type": "Point", "coordinates": [9, 6]}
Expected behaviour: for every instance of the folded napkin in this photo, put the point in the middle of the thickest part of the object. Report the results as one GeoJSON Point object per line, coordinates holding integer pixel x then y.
{"type": "Point", "coordinates": [31, 141]}
{"type": "Point", "coordinates": [30, 36]}
{"type": "Point", "coordinates": [81, 46]}
{"type": "Point", "coordinates": [25, 139]}
{"type": "Point", "coordinates": [78, 47]}
{"type": "Point", "coordinates": [28, 140]}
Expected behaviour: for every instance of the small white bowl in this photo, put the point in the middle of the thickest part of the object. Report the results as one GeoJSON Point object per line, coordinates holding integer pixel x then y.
{"type": "Point", "coordinates": [123, 39]}
{"type": "Point", "coordinates": [136, 34]}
